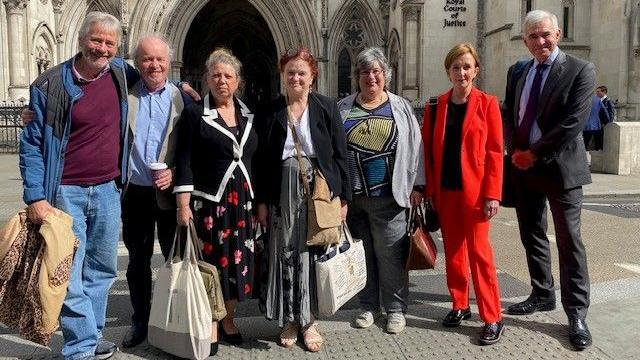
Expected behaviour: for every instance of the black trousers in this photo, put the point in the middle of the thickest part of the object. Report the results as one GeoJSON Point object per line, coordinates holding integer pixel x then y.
{"type": "Point", "coordinates": [140, 216]}
{"type": "Point", "coordinates": [598, 139]}
{"type": "Point", "coordinates": [532, 189]}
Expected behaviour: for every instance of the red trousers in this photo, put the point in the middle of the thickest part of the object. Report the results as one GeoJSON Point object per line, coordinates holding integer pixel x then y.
{"type": "Point", "coordinates": [465, 233]}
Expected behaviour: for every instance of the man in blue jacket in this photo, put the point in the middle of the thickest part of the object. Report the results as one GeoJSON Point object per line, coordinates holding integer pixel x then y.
{"type": "Point", "coordinates": [73, 156]}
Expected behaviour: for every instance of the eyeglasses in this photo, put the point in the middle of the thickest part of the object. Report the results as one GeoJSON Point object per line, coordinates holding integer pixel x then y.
{"type": "Point", "coordinates": [374, 72]}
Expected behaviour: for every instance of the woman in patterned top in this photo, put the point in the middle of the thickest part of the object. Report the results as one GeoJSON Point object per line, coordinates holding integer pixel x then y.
{"type": "Point", "coordinates": [216, 143]}
{"type": "Point", "coordinates": [384, 152]}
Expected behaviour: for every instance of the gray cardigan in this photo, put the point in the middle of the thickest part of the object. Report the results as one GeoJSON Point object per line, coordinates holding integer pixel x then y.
{"type": "Point", "coordinates": [409, 163]}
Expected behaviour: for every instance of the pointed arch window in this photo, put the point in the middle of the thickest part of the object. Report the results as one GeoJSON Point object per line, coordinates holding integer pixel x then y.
{"type": "Point", "coordinates": [344, 73]}
{"type": "Point", "coordinates": [568, 10]}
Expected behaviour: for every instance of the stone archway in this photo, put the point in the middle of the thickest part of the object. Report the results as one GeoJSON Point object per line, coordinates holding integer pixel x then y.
{"type": "Point", "coordinates": [289, 23]}
{"type": "Point", "coordinates": [355, 26]}
{"type": "Point", "coordinates": [238, 26]}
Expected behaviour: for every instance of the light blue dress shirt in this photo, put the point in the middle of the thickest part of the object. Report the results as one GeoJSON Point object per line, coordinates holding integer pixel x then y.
{"type": "Point", "coordinates": [535, 133]}
{"type": "Point", "coordinates": [151, 127]}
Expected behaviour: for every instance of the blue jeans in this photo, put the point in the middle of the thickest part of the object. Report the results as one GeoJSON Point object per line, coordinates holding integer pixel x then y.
{"type": "Point", "coordinates": [96, 224]}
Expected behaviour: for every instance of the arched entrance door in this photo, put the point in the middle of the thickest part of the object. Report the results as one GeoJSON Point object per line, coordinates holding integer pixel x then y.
{"type": "Point", "coordinates": [238, 26]}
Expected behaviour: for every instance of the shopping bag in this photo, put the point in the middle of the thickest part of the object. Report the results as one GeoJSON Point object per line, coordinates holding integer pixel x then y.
{"type": "Point", "coordinates": [340, 273]}
{"type": "Point", "coordinates": [180, 319]}
{"type": "Point", "coordinates": [210, 278]}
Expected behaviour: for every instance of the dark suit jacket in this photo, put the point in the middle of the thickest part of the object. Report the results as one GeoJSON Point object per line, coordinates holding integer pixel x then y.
{"type": "Point", "coordinates": [563, 109]}
{"type": "Point", "coordinates": [329, 142]}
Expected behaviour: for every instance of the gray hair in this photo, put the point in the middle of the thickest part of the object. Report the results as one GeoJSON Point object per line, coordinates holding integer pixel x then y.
{"type": "Point", "coordinates": [161, 38]}
{"type": "Point", "coordinates": [537, 16]}
{"type": "Point", "coordinates": [223, 56]}
{"type": "Point", "coordinates": [366, 60]}
{"type": "Point", "coordinates": [106, 21]}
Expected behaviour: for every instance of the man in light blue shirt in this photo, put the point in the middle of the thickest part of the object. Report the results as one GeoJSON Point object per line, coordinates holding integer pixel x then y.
{"type": "Point", "coordinates": [155, 105]}
{"type": "Point", "coordinates": [535, 133]}
{"type": "Point", "coordinates": [545, 111]}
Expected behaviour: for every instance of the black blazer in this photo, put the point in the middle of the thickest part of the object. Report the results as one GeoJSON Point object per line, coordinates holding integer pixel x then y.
{"type": "Point", "coordinates": [206, 149]}
{"type": "Point", "coordinates": [329, 142]}
{"type": "Point", "coordinates": [563, 109]}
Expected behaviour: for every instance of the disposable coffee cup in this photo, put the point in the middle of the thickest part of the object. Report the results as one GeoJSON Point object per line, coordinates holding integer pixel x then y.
{"type": "Point", "coordinates": [156, 167]}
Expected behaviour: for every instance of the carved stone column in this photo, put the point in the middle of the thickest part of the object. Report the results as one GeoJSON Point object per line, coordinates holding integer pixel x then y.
{"type": "Point", "coordinates": [412, 48]}
{"type": "Point", "coordinates": [57, 13]}
{"type": "Point", "coordinates": [18, 60]}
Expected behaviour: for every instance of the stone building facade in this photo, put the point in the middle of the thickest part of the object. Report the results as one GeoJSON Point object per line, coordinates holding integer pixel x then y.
{"type": "Point", "coordinates": [416, 35]}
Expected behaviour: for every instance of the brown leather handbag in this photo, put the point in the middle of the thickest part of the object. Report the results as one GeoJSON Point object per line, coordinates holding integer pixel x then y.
{"type": "Point", "coordinates": [422, 248]}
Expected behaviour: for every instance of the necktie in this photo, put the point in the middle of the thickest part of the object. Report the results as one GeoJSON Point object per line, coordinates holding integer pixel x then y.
{"type": "Point", "coordinates": [521, 138]}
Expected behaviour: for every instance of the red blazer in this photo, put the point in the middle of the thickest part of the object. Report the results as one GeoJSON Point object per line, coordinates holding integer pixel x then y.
{"type": "Point", "coordinates": [481, 150]}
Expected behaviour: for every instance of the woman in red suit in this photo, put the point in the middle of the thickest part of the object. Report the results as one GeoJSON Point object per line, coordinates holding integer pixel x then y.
{"type": "Point", "coordinates": [463, 162]}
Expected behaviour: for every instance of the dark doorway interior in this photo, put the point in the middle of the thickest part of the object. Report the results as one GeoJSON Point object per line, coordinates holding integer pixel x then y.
{"type": "Point", "coordinates": [238, 26]}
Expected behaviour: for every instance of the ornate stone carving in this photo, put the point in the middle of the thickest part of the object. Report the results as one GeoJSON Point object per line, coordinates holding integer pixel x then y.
{"type": "Point", "coordinates": [353, 35]}
{"type": "Point", "coordinates": [15, 5]}
{"type": "Point", "coordinates": [57, 6]}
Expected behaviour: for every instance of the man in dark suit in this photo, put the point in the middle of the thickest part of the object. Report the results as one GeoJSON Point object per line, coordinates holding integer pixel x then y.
{"type": "Point", "coordinates": [545, 110]}
{"type": "Point", "coordinates": [608, 106]}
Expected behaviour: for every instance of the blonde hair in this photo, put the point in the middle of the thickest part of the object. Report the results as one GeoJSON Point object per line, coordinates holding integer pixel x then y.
{"type": "Point", "coordinates": [223, 55]}
{"type": "Point", "coordinates": [459, 50]}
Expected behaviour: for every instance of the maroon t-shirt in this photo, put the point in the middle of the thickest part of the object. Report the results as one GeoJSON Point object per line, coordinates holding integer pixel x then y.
{"type": "Point", "coordinates": [93, 152]}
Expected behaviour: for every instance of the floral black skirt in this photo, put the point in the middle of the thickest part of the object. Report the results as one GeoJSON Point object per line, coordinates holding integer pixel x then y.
{"type": "Point", "coordinates": [227, 230]}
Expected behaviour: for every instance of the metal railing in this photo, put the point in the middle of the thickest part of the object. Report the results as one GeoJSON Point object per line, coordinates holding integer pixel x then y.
{"type": "Point", "coordinates": [10, 126]}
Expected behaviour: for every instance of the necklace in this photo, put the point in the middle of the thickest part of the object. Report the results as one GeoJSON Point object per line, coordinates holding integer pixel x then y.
{"type": "Point", "coordinates": [373, 103]}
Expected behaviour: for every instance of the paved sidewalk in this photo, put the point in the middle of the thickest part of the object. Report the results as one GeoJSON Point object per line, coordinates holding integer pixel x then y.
{"type": "Point", "coordinates": [613, 318]}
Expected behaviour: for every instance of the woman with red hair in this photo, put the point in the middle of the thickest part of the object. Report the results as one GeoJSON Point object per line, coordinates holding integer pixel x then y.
{"type": "Point", "coordinates": [312, 120]}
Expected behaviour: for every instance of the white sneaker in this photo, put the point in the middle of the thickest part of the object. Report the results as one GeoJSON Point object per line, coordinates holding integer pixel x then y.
{"type": "Point", "coordinates": [365, 319]}
{"type": "Point", "coordinates": [395, 323]}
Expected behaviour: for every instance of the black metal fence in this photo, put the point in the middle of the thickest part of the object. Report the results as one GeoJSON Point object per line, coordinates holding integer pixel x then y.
{"type": "Point", "coordinates": [10, 126]}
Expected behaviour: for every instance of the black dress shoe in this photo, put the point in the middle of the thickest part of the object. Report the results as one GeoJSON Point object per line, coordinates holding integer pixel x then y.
{"type": "Point", "coordinates": [231, 339]}
{"type": "Point", "coordinates": [579, 334]}
{"type": "Point", "coordinates": [134, 336]}
{"type": "Point", "coordinates": [491, 333]}
{"type": "Point", "coordinates": [455, 317]}
{"type": "Point", "coordinates": [531, 305]}
{"type": "Point", "coordinates": [214, 349]}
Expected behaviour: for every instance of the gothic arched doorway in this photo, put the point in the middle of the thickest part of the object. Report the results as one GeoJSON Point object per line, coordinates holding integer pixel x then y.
{"type": "Point", "coordinates": [238, 26]}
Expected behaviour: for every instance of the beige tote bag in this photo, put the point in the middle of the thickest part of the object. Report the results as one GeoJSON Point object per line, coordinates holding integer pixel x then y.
{"type": "Point", "coordinates": [180, 320]}
{"type": "Point", "coordinates": [340, 273]}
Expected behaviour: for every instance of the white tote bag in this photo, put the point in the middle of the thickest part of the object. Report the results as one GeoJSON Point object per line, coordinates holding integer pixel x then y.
{"type": "Point", "coordinates": [340, 273]}
{"type": "Point", "coordinates": [180, 319]}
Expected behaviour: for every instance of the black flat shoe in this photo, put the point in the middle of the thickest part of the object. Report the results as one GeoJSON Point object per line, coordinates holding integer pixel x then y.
{"type": "Point", "coordinates": [231, 339]}
{"type": "Point", "coordinates": [214, 349]}
{"type": "Point", "coordinates": [531, 305]}
{"type": "Point", "coordinates": [491, 333]}
{"type": "Point", "coordinates": [455, 317]}
{"type": "Point", "coordinates": [579, 334]}
{"type": "Point", "coordinates": [134, 336]}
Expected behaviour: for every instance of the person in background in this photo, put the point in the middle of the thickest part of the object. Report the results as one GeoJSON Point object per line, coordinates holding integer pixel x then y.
{"type": "Point", "coordinates": [464, 182]}
{"type": "Point", "coordinates": [387, 177]}
{"type": "Point", "coordinates": [282, 203]}
{"type": "Point", "coordinates": [609, 106]}
{"type": "Point", "coordinates": [594, 127]}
